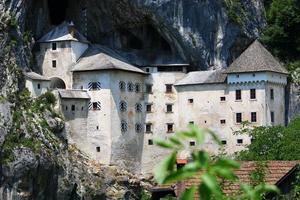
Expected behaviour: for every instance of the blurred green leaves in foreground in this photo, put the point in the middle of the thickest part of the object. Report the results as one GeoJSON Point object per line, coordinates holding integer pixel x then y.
{"type": "Point", "coordinates": [212, 171]}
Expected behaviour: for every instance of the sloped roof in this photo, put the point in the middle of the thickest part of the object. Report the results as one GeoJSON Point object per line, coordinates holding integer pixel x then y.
{"type": "Point", "coordinates": [96, 59]}
{"type": "Point", "coordinates": [73, 94]}
{"type": "Point", "coordinates": [203, 77]}
{"type": "Point", "coordinates": [275, 172]}
{"type": "Point", "coordinates": [254, 59]}
{"type": "Point", "coordinates": [63, 32]}
{"type": "Point", "coordinates": [36, 76]}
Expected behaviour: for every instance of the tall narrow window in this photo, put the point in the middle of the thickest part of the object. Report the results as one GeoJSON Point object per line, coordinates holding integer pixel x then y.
{"type": "Point", "coordinates": [54, 63]}
{"type": "Point", "coordinates": [39, 86]}
{"type": "Point", "coordinates": [139, 128]}
{"type": "Point", "coordinates": [130, 87]}
{"type": "Point", "coordinates": [170, 128]}
{"type": "Point", "coordinates": [272, 117]}
{"type": "Point", "coordinates": [238, 118]}
{"type": "Point", "coordinates": [169, 88]}
{"type": "Point", "coordinates": [98, 149]}
{"type": "Point", "coordinates": [137, 88]}
{"type": "Point", "coordinates": [252, 93]}
{"type": "Point", "coordinates": [149, 88]}
{"type": "Point", "coordinates": [73, 107]}
{"type": "Point", "coordinates": [138, 107]}
{"type": "Point", "coordinates": [123, 106]}
{"type": "Point", "coordinates": [94, 86]}
{"type": "Point", "coordinates": [149, 108]}
{"type": "Point", "coordinates": [54, 46]}
{"type": "Point", "coordinates": [124, 126]}
{"type": "Point", "coordinates": [253, 117]}
{"type": "Point", "coordinates": [122, 86]}
{"type": "Point", "coordinates": [238, 95]}
{"type": "Point", "coordinates": [148, 128]}
{"type": "Point", "coordinates": [169, 108]}
{"type": "Point", "coordinates": [272, 94]}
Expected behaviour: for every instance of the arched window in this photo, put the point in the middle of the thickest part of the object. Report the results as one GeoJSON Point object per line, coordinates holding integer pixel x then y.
{"type": "Point", "coordinates": [124, 126]}
{"type": "Point", "coordinates": [130, 87]}
{"type": "Point", "coordinates": [122, 86]}
{"type": "Point", "coordinates": [139, 128]}
{"type": "Point", "coordinates": [138, 107]}
{"type": "Point", "coordinates": [137, 88]}
{"type": "Point", "coordinates": [123, 106]}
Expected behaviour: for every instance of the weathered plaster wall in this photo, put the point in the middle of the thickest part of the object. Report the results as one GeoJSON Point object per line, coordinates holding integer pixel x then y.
{"type": "Point", "coordinates": [78, 49]}
{"type": "Point", "coordinates": [32, 86]}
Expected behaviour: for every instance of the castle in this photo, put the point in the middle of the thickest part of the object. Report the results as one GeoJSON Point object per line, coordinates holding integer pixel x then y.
{"type": "Point", "coordinates": [114, 110]}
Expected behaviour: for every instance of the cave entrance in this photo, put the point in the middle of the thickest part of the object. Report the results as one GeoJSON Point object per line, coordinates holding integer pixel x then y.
{"type": "Point", "coordinates": [57, 11]}
{"type": "Point", "coordinates": [57, 83]}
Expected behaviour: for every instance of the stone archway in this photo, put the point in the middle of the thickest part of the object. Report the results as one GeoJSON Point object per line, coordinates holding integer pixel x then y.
{"type": "Point", "coordinates": [57, 83]}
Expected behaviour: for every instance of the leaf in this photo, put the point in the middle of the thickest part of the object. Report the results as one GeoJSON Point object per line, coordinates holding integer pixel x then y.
{"type": "Point", "coordinates": [228, 163]}
{"type": "Point", "coordinates": [204, 192]}
{"type": "Point", "coordinates": [163, 143]}
{"type": "Point", "coordinates": [165, 168]}
{"type": "Point", "coordinates": [188, 194]}
{"type": "Point", "coordinates": [211, 183]}
{"type": "Point", "coordinates": [214, 136]}
{"type": "Point", "coordinates": [224, 172]}
{"type": "Point", "coordinates": [198, 133]}
{"type": "Point", "coordinates": [180, 175]}
{"type": "Point", "coordinates": [175, 141]}
{"type": "Point", "coordinates": [202, 158]}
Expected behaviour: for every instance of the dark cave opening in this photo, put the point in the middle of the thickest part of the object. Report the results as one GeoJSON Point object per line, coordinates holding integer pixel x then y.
{"type": "Point", "coordinates": [57, 10]}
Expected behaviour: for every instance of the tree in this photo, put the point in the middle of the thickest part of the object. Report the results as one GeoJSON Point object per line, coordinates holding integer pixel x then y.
{"type": "Point", "coordinates": [213, 171]}
{"type": "Point", "coordinates": [273, 143]}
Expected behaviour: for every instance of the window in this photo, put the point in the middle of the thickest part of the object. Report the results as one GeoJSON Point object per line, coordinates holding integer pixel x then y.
{"type": "Point", "coordinates": [238, 117]}
{"type": "Point", "coordinates": [124, 126]}
{"type": "Point", "coordinates": [272, 117]}
{"type": "Point", "coordinates": [73, 108]}
{"type": "Point", "coordinates": [130, 87]}
{"type": "Point", "coordinates": [169, 108]}
{"type": "Point", "coordinates": [191, 101]}
{"type": "Point", "coordinates": [149, 88]}
{"type": "Point", "coordinates": [223, 121]}
{"type": "Point", "coordinates": [66, 107]}
{"type": "Point", "coordinates": [97, 127]}
{"type": "Point", "coordinates": [223, 98]}
{"type": "Point", "coordinates": [54, 63]}
{"type": "Point", "coordinates": [253, 117]}
{"type": "Point", "coordinates": [147, 69]}
{"type": "Point", "coordinates": [224, 142]}
{"type": "Point", "coordinates": [253, 75]}
{"type": "Point", "coordinates": [139, 128]}
{"type": "Point", "coordinates": [192, 143]}
{"type": "Point", "coordinates": [252, 93]}
{"type": "Point", "coordinates": [272, 94]}
{"type": "Point", "coordinates": [240, 141]}
{"type": "Point", "coordinates": [137, 88]}
{"type": "Point", "coordinates": [170, 128]}
{"type": "Point", "coordinates": [191, 123]}
{"type": "Point", "coordinates": [150, 142]}
{"type": "Point", "coordinates": [94, 86]}
{"type": "Point", "coordinates": [54, 46]}
{"type": "Point", "coordinates": [148, 128]}
{"type": "Point", "coordinates": [138, 107]}
{"type": "Point", "coordinates": [98, 149]}
{"type": "Point", "coordinates": [122, 86]}
{"type": "Point", "coordinates": [238, 76]}
{"type": "Point", "coordinates": [82, 108]}
{"type": "Point", "coordinates": [123, 106]}
{"type": "Point", "coordinates": [149, 108]}
{"type": "Point", "coordinates": [95, 106]}
{"type": "Point", "coordinates": [39, 86]}
{"type": "Point", "coordinates": [169, 88]}
{"type": "Point", "coordinates": [238, 95]}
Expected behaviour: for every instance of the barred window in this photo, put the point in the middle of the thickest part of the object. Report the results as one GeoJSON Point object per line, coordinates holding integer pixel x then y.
{"type": "Point", "coordinates": [95, 105]}
{"type": "Point", "coordinates": [124, 126]}
{"type": "Point", "coordinates": [137, 88]}
{"type": "Point", "coordinates": [94, 86]}
{"type": "Point", "coordinates": [123, 106]}
{"type": "Point", "coordinates": [130, 87]}
{"type": "Point", "coordinates": [138, 107]}
{"type": "Point", "coordinates": [139, 128]}
{"type": "Point", "coordinates": [122, 86]}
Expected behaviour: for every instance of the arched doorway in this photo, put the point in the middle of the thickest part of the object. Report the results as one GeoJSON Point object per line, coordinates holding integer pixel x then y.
{"type": "Point", "coordinates": [57, 83]}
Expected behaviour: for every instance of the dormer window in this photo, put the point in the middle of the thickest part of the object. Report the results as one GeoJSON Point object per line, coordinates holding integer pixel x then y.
{"type": "Point", "coordinates": [54, 46]}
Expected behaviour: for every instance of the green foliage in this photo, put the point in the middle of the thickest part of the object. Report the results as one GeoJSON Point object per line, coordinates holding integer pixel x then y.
{"type": "Point", "coordinates": [274, 143]}
{"type": "Point", "coordinates": [213, 171]}
{"type": "Point", "coordinates": [235, 11]}
{"type": "Point", "coordinates": [258, 175]}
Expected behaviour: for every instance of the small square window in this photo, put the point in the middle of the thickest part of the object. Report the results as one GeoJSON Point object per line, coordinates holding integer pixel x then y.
{"type": "Point", "coordinates": [191, 101]}
{"type": "Point", "coordinates": [169, 88]}
{"type": "Point", "coordinates": [149, 88]}
{"type": "Point", "coordinates": [39, 86]}
{"type": "Point", "coordinates": [98, 149]}
{"type": "Point", "coordinates": [253, 117]}
{"type": "Point", "coordinates": [223, 121]}
{"type": "Point", "coordinates": [169, 108]}
{"type": "Point", "coordinates": [150, 142]}
{"type": "Point", "coordinates": [148, 128]}
{"type": "Point", "coordinates": [253, 75]}
{"type": "Point", "coordinates": [224, 142]}
{"type": "Point", "coordinates": [272, 94]}
{"type": "Point", "coordinates": [223, 98]}
{"type": "Point", "coordinates": [73, 108]}
{"type": "Point", "coordinates": [96, 106]}
{"type": "Point", "coordinates": [149, 108]}
{"type": "Point", "coordinates": [192, 143]}
{"type": "Point", "coordinates": [54, 46]}
{"type": "Point", "coordinates": [238, 76]}
{"type": "Point", "coordinates": [191, 122]}
{"type": "Point", "coordinates": [272, 117]}
{"type": "Point", "coordinates": [147, 69]}
{"type": "Point", "coordinates": [54, 63]}
{"type": "Point", "coordinates": [170, 128]}
{"type": "Point", "coordinates": [252, 93]}
{"type": "Point", "coordinates": [240, 141]}
{"type": "Point", "coordinates": [239, 118]}
{"type": "Point", "coordinates": [238, 95]}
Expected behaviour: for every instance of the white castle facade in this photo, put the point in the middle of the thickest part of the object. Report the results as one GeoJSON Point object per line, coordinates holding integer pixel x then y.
{"type": "Point", "coordinates": [114, 110]}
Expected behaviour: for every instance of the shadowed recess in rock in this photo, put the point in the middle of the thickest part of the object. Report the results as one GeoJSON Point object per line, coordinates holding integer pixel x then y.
{"type": "Point", "coordinates": [57, 10]}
